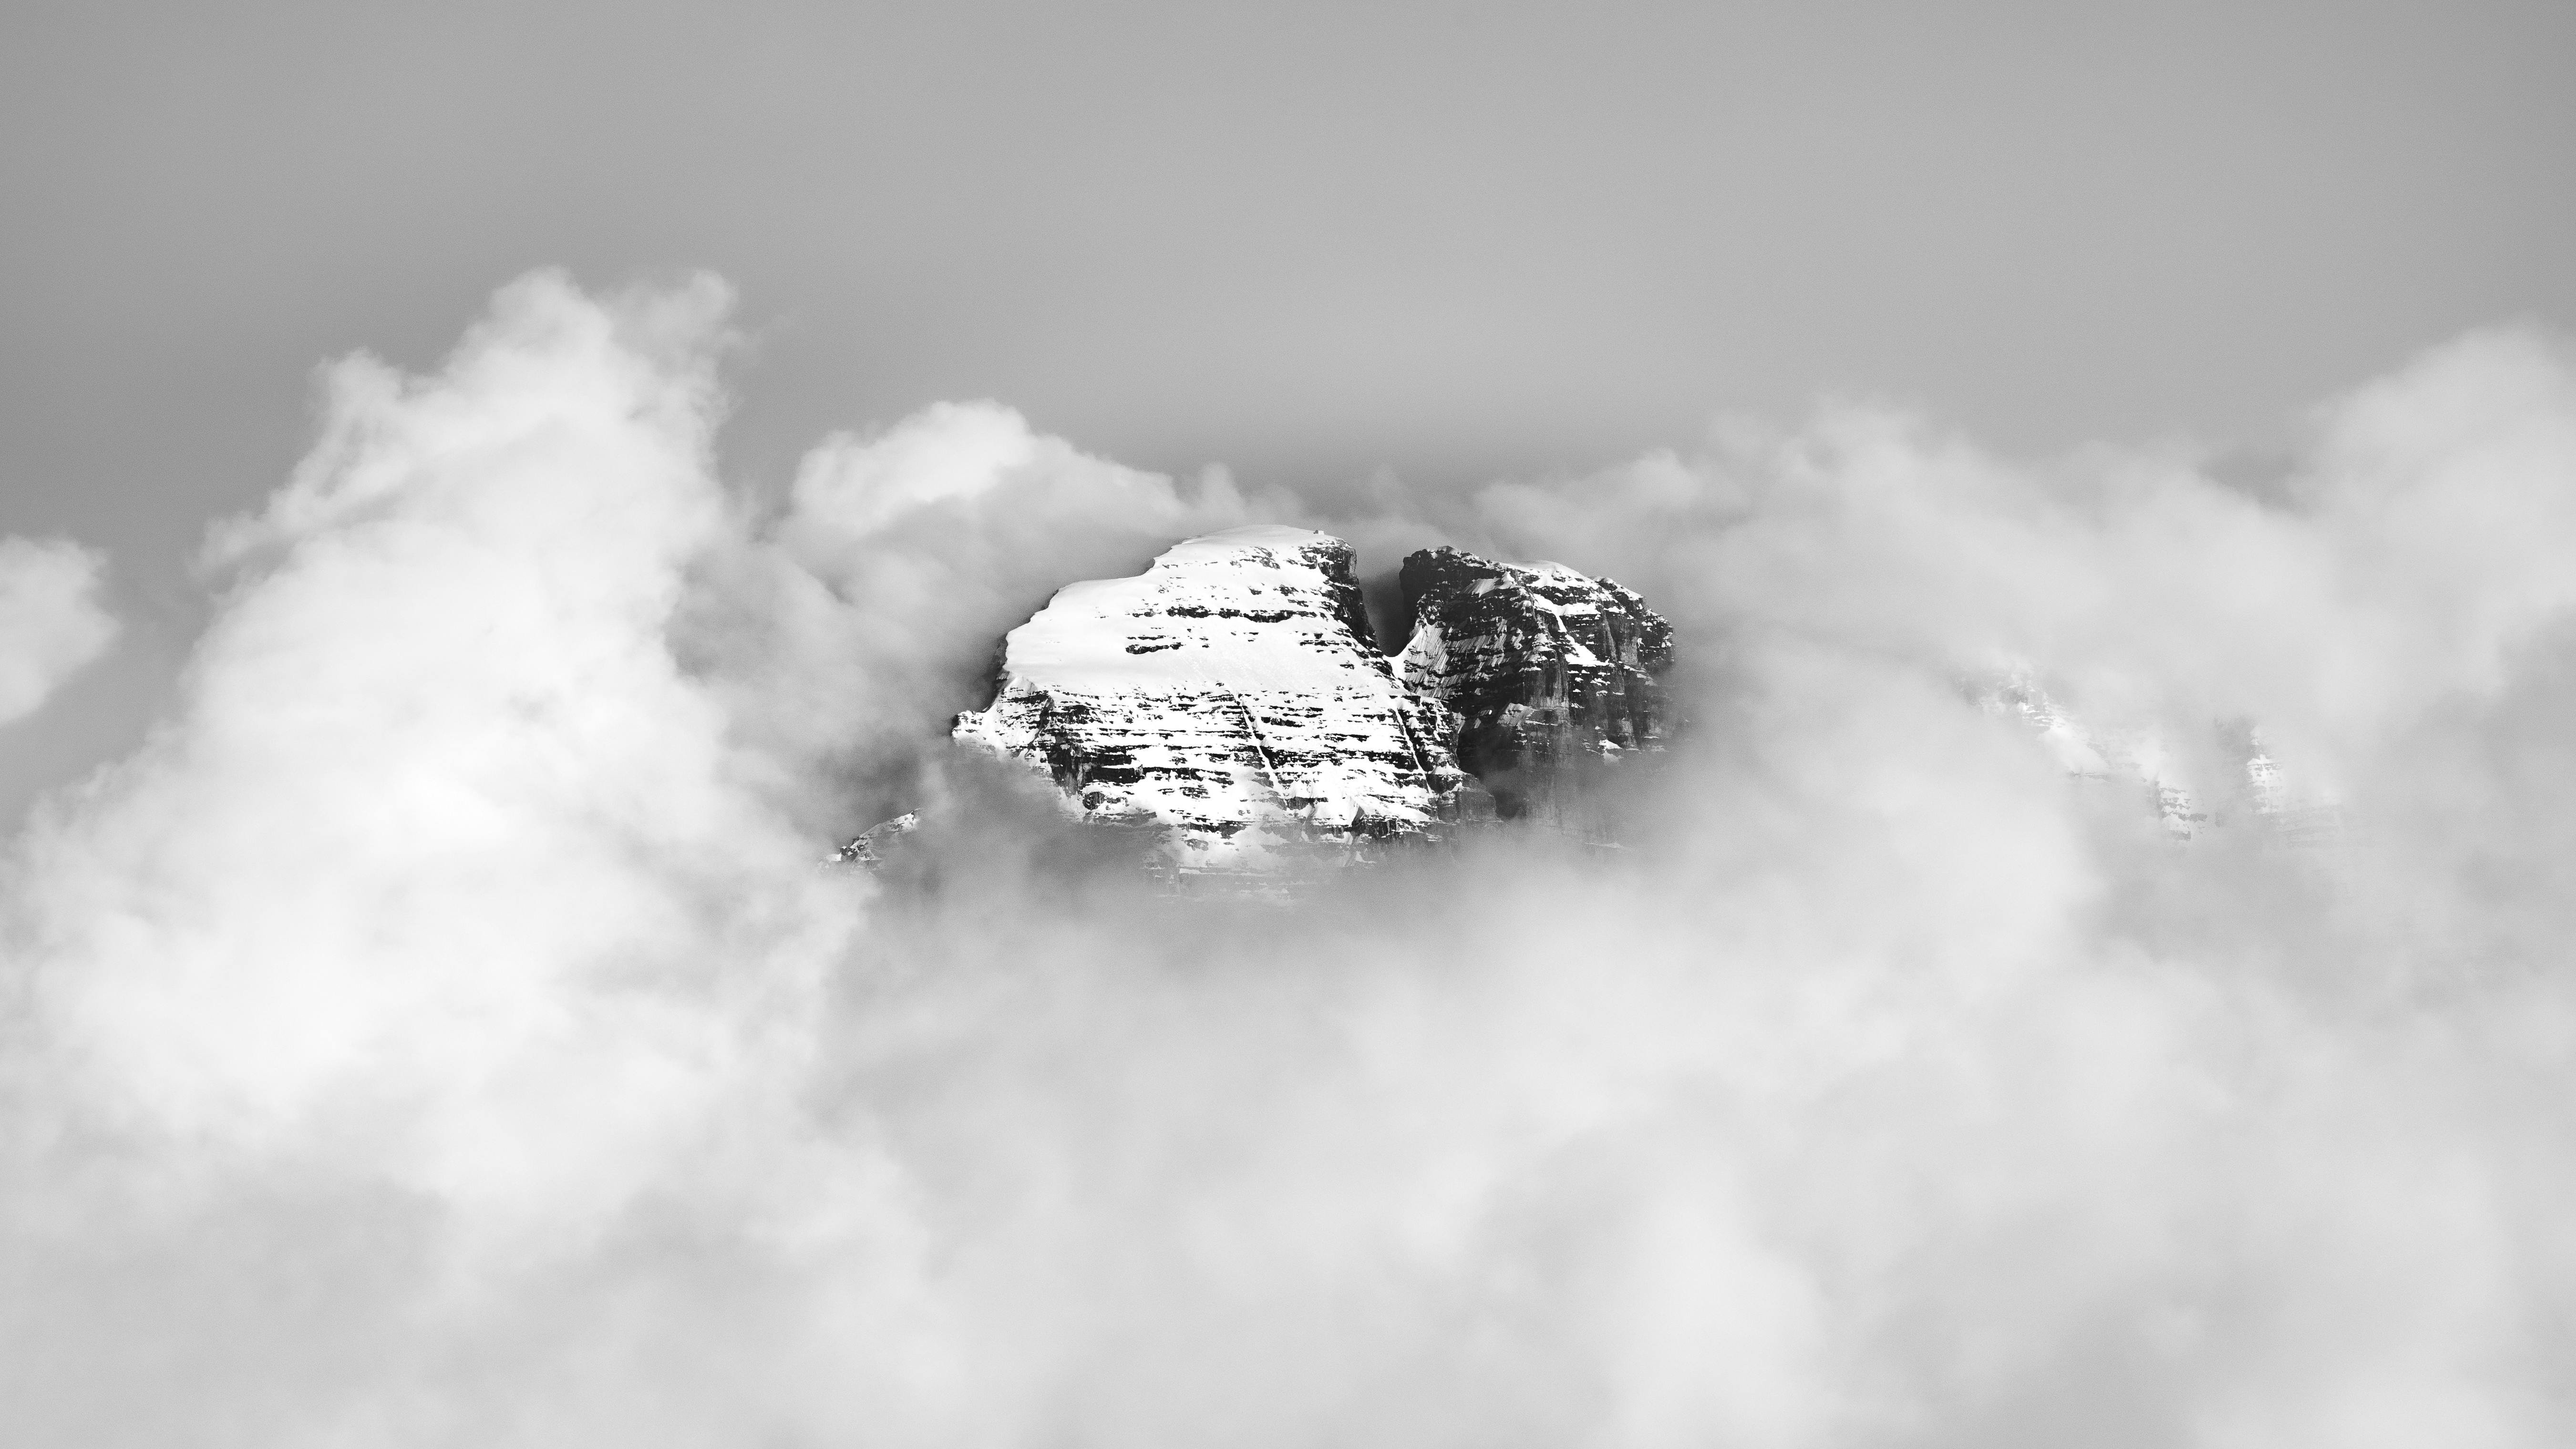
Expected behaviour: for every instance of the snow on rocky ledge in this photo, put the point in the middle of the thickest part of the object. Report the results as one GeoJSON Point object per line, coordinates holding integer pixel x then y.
{"type": "Point", "coordinates": [1231, 695]}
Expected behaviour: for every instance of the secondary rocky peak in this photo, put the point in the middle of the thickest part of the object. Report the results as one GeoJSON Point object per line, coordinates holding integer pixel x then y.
{"type": "Point", "coordinates": [2130, 758]}
{"type": "Point", "coordinates": [1551, 674]}
{"type": "Point", "coordinates": [2231, 782]}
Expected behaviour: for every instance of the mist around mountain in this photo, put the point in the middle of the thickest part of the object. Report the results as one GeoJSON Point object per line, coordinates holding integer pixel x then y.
{"type": "Point", "coordinates": [439, 1032]}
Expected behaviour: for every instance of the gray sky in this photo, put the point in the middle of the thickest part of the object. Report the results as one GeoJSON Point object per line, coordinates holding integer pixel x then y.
{"type": "Point", "coordinates": [1306, 241]}
{"type": "Point", "coordinates": [442, 1035]}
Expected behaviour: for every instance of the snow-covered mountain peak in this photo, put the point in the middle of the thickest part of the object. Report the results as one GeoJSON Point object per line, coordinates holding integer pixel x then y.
{"type": "Point", "coordinates": [1263, 607]}
{"type": "Point", "coordinates": [1229, 694]}
{"type": "Point", "coordinates": [1229, 700]}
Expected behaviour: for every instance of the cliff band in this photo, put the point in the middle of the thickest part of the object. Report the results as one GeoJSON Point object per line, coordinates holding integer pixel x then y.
{"type": "Point", "coordinates": [1552, 674]}
{"type": "Point", "coordinates": [1229, 694]}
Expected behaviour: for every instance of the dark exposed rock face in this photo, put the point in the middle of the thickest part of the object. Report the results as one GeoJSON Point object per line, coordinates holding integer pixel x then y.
{"type": "Point", "coordinates": [1551, 675]}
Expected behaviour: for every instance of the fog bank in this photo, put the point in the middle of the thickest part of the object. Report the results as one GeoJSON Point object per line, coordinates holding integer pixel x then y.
{"type": "Point", "coordinates": [440, 1032]}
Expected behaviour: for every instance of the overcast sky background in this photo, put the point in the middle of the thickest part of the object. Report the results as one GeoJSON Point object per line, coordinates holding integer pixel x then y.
{"type": "Point", "coordinates": [1308, 242]}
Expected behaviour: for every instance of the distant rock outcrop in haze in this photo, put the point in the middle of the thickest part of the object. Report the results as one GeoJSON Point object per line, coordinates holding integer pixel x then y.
{"type": "Point", "coordinates": [2241, 787]}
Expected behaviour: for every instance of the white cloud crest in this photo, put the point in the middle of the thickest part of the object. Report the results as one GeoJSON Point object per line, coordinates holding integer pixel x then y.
{"type": "Point", "coordinates": [51, 620]}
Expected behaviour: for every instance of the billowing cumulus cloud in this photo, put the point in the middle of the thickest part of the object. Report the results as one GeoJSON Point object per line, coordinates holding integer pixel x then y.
{"type": "Point", "coordinates": [438, 1033]}
{"type": "Point", "coordinates": [51, 621]}
{"type": "Point", "coordinates": [852, 627]}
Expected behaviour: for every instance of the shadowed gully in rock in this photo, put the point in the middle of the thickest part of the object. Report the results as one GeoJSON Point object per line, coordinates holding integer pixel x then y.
{"type": "Point", "coordinates": [1552, 675]}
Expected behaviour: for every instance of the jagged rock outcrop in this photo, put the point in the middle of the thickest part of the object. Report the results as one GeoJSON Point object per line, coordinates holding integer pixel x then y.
{"type": "Point", "coordinates": [867, 850]}
{"type": "Point", "coordinates": [2135, 759]}
{"type": "Point", "coordinates": [1231, 695]}
{"type": "Point", "coordinates": [1551, 674]}
{"type": "Point", "coordinates": [2243, 785]}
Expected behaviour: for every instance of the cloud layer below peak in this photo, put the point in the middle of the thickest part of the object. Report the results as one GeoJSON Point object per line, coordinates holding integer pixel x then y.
{"type": "Point", "coordinates": [439, 1032]}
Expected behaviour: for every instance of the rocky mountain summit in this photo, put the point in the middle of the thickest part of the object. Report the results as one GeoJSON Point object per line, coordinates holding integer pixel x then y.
{"type": "Point", "coordinates": [1232, 697]}
{"type": "Point", "coordinates": [1550, 673]}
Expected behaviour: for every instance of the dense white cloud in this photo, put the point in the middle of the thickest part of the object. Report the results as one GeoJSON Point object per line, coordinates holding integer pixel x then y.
{"type": "Point", "coordinates": [438, 1032]}
{"type": "Point", "coordinates": [51, 621]}
{"type": "Point", "coordinates": [429, 857]}
{"type": "Point", "coordinates": [870, 611]}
